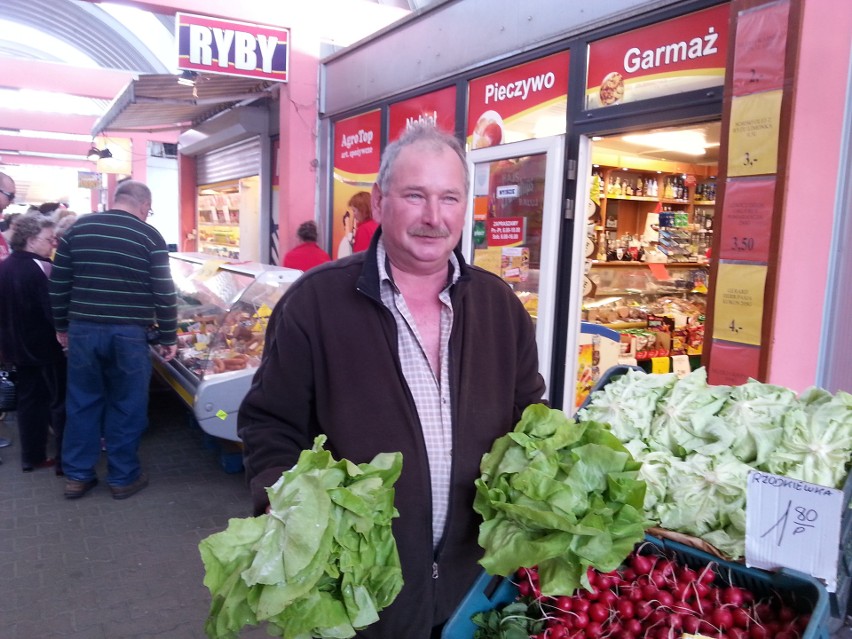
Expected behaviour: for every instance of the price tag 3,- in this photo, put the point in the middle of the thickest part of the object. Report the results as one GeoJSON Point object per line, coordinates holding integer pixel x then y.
{"type": "Point", "coordinates": [793, 524]}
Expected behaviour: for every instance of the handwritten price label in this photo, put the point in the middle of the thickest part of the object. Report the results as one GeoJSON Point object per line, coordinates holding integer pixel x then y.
{"type": "Point", "coordinates": [793, 524]}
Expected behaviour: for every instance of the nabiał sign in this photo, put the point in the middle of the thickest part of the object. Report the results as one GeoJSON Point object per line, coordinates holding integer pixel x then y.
{"type": "Point", "coordinates": [232, 48]}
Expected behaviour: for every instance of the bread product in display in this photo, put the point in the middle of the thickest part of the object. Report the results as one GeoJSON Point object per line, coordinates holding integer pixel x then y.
{"type": "Point", "coordinates": [488, 130]}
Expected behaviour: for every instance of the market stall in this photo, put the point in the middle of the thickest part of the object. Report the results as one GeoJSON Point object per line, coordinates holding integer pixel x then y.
{"type": "Point", "coordinates": [223, 309]}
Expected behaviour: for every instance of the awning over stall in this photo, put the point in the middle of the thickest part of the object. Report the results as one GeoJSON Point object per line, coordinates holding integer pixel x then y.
{"type": "Point", "coordinates": [159, 102]}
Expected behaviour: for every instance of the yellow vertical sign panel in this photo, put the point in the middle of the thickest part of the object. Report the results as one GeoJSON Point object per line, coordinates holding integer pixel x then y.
{"type": "Point", "coordinates": [753, 134]}
{"type": "Point", "coordinates": [738, 310]}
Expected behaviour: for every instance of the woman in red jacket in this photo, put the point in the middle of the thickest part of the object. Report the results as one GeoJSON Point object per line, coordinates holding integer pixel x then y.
{"type": "Point", "coordinates": [366, 226]}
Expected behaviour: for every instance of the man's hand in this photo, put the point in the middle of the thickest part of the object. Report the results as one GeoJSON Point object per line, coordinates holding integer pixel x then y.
{"type": "Point", "coordinates": [168, 352]}
{"type": "Point", "coordinates": [62, 338]}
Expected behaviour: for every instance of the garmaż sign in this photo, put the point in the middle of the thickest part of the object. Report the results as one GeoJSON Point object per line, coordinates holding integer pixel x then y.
{"type": "Point", "coordinates": [229, 47]}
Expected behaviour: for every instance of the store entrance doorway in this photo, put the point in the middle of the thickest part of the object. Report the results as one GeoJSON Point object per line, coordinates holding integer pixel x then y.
{"type": "Point", "coordinates": [648, 236]}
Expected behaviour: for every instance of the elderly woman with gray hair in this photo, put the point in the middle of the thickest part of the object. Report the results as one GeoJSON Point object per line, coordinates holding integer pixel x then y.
{"type": "Point", "coordinates": [28, 339]}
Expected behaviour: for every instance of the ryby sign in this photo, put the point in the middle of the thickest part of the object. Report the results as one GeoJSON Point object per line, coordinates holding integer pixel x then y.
{"type": "Point", "coordinates": [232, 48]}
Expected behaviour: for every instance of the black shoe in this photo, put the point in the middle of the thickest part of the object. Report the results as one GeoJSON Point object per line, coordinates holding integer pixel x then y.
{"type": "Point", "coordinates": [123, 492]}
{"type": "Point", "coordinates": [46, 463]}
{"type": "Point", "coordinates": [75, 489]}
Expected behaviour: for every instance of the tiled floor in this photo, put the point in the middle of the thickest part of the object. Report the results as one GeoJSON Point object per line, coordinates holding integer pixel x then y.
{"type": "Point", "coordinates": [97, 568]}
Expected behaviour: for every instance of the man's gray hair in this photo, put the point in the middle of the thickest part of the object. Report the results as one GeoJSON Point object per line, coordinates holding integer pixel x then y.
{"type": "Point", "coordinates": [137, 192]}
{"type": "Point", "coordinates": [418, 133]}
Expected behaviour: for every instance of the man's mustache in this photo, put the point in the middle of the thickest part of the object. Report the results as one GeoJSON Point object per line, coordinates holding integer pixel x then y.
{"type": "Point", "coordinates": [428, 231]}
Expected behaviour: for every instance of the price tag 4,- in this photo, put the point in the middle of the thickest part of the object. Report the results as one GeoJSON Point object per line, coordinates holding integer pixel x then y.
{"type": "Point", "coordinates": [793, 524]}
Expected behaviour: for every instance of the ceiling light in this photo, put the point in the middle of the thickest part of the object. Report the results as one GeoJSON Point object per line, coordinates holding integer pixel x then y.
{"type": "Point", "coordinates": [690, 142]}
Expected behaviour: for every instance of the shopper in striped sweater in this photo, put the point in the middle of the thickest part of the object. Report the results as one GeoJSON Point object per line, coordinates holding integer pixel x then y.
{"type": "Point", "coordinates": [110, 283]}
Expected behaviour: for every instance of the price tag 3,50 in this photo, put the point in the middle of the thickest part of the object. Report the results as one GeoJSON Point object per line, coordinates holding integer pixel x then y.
{"type": "Point", "coordinates": [793, 524]}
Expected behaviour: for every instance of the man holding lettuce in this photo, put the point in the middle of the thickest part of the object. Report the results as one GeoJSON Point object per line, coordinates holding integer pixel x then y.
{"type": "Point", "coordinates": [403, 348]}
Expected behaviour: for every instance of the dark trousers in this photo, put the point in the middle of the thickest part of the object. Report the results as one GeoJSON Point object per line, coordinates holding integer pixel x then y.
{"type": "Point", "coordinates": [41, 406]}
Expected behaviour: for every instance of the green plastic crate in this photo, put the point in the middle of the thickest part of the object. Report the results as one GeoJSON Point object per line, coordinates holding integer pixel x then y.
{"type": "Point", "coordinates": [490, 592]}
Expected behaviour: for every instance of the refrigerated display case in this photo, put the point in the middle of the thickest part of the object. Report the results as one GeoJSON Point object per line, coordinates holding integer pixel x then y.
{"type": "Point", "coordinates": [223, 310]}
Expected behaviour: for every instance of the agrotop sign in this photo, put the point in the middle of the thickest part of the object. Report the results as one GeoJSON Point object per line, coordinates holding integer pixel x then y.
{"type": "Point", "coordinates": [229, 47]}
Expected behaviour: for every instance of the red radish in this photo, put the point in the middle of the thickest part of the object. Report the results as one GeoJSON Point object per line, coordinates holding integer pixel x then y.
{"type": "Point", "coordinates": [580, 620]}
{"type": "Point", "coordinates": [563, 603]}
{"type": "Point", "coordinates": [686, 575]}
{"type": "Point", "coordinates": [665, 598]}
{"type": "Point", "coordinates": [607, 598]}
{"type": "Point", "coordinates": [733, 596]}
{"type": "Point", "coordinates": [722, 618]}
{"type": "Point", "coordinates": [580, 605]}
{"type": "Point", "coordinates": [786, 614]}
{"type": "Point", "coordinates": [625, 609]}
{"type": "Point", "coordinates": [633, 627]}
{"type": "Point", "coordinates": [741, 617]}
{"type": "Point", "coordinates": [641, 564]}
{"type": "Point", "coordinates": [598, 612]}
{"type": "Point", "coordinates": [691, 624]}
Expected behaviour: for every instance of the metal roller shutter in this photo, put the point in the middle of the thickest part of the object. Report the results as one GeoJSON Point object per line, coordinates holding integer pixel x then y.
{"type": "Point", "coordinates": [238, 160]}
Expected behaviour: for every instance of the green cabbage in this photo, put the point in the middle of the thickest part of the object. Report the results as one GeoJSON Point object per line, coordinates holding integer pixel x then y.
{"type": "Point", "coordinates": [700, 442]}
{"type": "Point", "coordinates": [816, 440]}
{"type": "Point", "coordinates": [754, 411]}
{"type": "Point", "coordinates": [321, 563]}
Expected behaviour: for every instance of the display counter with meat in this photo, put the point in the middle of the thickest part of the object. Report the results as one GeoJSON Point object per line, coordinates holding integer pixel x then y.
{"type": "Point", "coordinates": [223, 309]}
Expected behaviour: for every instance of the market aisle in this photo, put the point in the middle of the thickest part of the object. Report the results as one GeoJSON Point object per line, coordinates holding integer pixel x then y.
{"type": "Point", "coordinates": [98, 568]}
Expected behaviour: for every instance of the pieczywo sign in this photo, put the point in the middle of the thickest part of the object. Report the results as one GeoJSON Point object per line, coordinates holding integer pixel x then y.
{"type": "Point", "coordinates": [505, 106]}
{"type": "Point", "coordinates": [683, 54]}
{"type": "Point", "coordinates": [229, 47]}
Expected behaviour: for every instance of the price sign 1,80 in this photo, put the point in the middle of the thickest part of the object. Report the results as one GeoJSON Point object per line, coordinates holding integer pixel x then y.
{"type": "Point", "coordinates": [793, 524]}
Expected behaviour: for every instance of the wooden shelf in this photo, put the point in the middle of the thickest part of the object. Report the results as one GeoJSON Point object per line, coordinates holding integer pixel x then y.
{"type": "Point", "coordinates": [211, 243]}
{"type": "Point", "coordinates": [599, 264]}
{"type": "Point", "coordinates": [230, 224]}
{"type": "Point", "coordinates": [634, 198]}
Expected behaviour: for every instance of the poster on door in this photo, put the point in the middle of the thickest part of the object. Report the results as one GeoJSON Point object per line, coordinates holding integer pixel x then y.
{"type": "Point", "coordinates": [356, 165]}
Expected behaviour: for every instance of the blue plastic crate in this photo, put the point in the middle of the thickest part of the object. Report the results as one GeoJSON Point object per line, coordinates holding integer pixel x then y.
{"type": "Point", "coordinates": [800, 590]}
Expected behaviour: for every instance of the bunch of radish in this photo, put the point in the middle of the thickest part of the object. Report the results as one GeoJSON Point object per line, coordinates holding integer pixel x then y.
{"type": "Point", "coordinates": [654, 597]}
